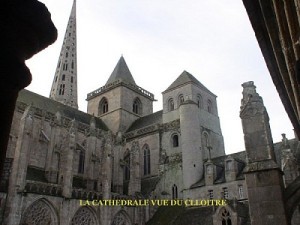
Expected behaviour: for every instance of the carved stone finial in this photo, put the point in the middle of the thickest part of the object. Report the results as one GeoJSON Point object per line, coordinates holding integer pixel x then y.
{"type": "Point", "coordinates": [72, 126]}
{"type": "Point", "coordinates": [249, 89]}
{"type": "Point", "coordinates": [251, 102]}
{"type": "Point", "coordinates": [285, 141]}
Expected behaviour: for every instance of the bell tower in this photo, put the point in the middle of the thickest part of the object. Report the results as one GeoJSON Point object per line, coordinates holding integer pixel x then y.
{"type": "Point", "coordinates": [64, 86]}
{"type": "Point", "coordinates": [120, 101]}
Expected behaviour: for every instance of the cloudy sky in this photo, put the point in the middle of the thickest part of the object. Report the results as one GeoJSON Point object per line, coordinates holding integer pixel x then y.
{"type": "Point", "coordinates": [213, 40]}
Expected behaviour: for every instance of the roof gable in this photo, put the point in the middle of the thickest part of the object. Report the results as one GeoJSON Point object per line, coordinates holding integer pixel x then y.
{"type": "Point", "coordinates": [185, 78]}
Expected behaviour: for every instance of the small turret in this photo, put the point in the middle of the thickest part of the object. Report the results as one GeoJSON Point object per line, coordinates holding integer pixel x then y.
{"type": "Point", "coordinates": [192, 158]}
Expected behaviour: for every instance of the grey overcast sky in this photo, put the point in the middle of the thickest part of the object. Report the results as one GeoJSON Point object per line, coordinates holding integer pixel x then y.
{"type": "Point", "coordinates": [213, 40]}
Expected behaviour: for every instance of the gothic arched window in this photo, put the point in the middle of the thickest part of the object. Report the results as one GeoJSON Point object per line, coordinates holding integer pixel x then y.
{"type": "Point", "coordinates": [103, 106]}
{"type": "Point", "coordinates": [147, 161]}
{"type": "Point", "coordinates": [174, 191]}
{"type": "Point", "coordinates": [205, 139]}
{"type": "Point", "coordinates": [199, 101]}
{"type": "Point", "coordinates": [225, 217]}
{"type": "Point", "coordinates": [81, 162]}
{"type": "Point", "coordinates": [84, 216]}
{"type": "Point", "coordinates": [175, 140]}
{"type": "Point", "coordinates": [121, 218]}
{"type": "Point", "coordinates": [38, 213]}
{"type": "Point", "coordinates": [127, 166]}
{"type": "Point", "coordinates": [137, 106]}
{"type": "Point", "coordinates": [170, 104]}
{"type": "Point", "coordinates": [62, 89]}
{"type": "Point", "coordinates": [209, 106]}
{"type": "Point", "coordinates": [180, 99]}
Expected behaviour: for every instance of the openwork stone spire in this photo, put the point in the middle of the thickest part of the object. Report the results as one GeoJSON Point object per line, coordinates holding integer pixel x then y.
{"type": "Point", "coordinates": [64, 86]}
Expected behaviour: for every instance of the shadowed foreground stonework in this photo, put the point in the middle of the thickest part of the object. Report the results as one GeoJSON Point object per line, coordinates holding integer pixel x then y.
{"type": "Point", "coordinates": [121, 149]}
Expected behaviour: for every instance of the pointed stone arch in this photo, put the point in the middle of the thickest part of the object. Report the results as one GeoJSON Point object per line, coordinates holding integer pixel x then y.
{"type": "Point", "coordinates": [225, 216]}
{"type": "Point", "coordinates": [121, 218]}
{"type": "Point", "coordinates": [84, 215]}
{"type": "Point", "coordinates": [40, 212]}
{"type": "Point", "coordinates": [137, 106]}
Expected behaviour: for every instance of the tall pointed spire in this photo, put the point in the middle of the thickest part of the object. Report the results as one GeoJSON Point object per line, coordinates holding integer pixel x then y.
{"type": "Point", "coordinates": [64, 86]}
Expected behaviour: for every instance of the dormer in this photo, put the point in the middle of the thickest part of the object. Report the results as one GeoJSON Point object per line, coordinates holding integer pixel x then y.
{"type": "Point", "coordinates": [209, 173]}
{"type": "Point", "coordinates": [231, 169]}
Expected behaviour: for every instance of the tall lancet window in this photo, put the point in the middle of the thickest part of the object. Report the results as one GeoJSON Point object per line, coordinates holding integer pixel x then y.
{"type": "Point", "coordinates": [81, 162]}
{"type": "Point", "coordinates": [127, 166]}
{"type": "Point", "coordinates": [137, 106]}
{"type": "Point", "coordinates": [146, 160]}
{"type": "Point", "coordinates": [62, 89]}
{"type": "Point", "coordinates": [209, 106]}
{"type": "Point", "coordinates": [103, 106]}
{"type": "Point", "coordinates": [174, 192]}
{"type": "Point", "coordinates": [180, 99]}
{"type": "Point", "coordinates": [199, 101]}
{"type": "Point", "coordinates": [175, 140]}
{"type": "Point", "coordinates": [170, 104]}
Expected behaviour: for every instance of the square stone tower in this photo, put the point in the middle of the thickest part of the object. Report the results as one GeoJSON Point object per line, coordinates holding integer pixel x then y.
{"type": "Point", "coordinates": [120, 102]}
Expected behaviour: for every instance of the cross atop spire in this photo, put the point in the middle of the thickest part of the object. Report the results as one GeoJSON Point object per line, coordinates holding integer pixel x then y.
{"type": "Point", "coordinates": [64, 86]}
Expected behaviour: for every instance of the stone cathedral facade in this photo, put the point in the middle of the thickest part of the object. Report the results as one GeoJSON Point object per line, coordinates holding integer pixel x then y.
{"type": "Point", "coordinates": [121, 149]}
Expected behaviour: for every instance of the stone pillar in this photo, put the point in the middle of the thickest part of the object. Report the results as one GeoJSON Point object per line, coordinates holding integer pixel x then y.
{"type": "Point", "coordinates": [263, 176]}
{"type": "Point", "coordinates": [90, 154]}
{"type": "Point", "coordinates": [135, 175]}
{"type": "Point", "coordinates": [54, 151]}
{"type": "Point", "coordinates": [289, 163]}
{"type": "Point", "coordinates": [17, 180]}
{"type": "Point", "coordinates": [192, 158]}
{"type": "Point", "coordinates": [118, 169]}
{"type": "Point", "coordinates": [69, 154]}
{"type": "Point", "coordinates": [107, 177]}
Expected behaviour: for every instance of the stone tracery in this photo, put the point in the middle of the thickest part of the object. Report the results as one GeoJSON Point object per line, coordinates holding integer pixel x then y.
{"type": "Point", "coordinates": [83, 216]}
{"type": "Point", "coordinates": [38, 213]}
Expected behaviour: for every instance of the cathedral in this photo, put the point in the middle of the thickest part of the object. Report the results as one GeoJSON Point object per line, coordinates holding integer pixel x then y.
{"type": "Point", "coordinates": [59, 156]}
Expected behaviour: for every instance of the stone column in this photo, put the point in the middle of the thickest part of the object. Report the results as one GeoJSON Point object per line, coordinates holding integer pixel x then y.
{"type": "Point", "coordinates": [135, 175]}
{"type": "Point", "coordinates": [17, 180]}
{"type": "Point", "coordinates": [192, 157]}
{"type": "Point", "coordinates": [118, 169]}
{"type": "Point", "coordinates": [90, 154]}
{"type": "Point", "coordinates": [107, 177]}
{"type": "Point", "coordinates": [54, 151]}
{"type": "Point", "coordinates": [263, 176]}
{"type": "Point", "coordinates": [68, 171]}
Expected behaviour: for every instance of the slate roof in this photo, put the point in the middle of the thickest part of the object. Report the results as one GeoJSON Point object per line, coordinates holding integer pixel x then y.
{"type": "Point", "coordinates": [239, 157]}
{"type": "Point", "coordinates": [185, 78]}
{"type": "Point", "coordinates": [148, 185]}
{"type": "Point", "coordinates": [121, 72]}
{"type": "Point", "coordinates": [155, 118]}
{"type": "Point", "coordinates": [52, 106]}
{"type": "Point", "coordinates": [176, 215]}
